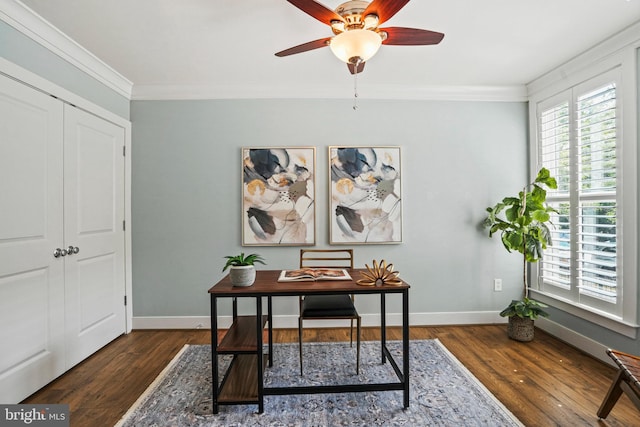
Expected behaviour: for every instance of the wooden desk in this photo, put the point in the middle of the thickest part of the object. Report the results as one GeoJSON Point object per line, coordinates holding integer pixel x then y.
{"type": "Point", "coordinates": [245, 338]}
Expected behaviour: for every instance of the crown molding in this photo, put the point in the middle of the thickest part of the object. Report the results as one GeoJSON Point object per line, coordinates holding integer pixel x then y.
{"type": "Point", "coordinates": [43, 85]}
{"type": "Point", "coordinates": [598, 54]}
{"type": "Point", "coordinates": [32, 25]}
{"type": "Point", "coordinates": [397, 92]}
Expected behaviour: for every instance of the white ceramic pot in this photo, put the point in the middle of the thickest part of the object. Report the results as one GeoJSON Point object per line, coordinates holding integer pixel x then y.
{"type": "Point", "coordinates": [242, 275]}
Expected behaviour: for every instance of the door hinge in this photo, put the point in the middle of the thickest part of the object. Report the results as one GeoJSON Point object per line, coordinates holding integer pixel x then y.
{"type": "Point", "coordinates": [124, 225]}
{"type": "Point", "coordinates": [125, 300]}
{"type": "Point", "coordinates": [124, 150]}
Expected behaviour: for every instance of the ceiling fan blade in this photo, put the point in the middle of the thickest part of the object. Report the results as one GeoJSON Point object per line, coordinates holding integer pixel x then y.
{"type": "Point", "coordinates": [305, 47]}
{"type": "Point", "coordinates": [317, 10]}
{"type": "Point", "coordinates": [385, 9]}
{"type": "Point", "coordinates": [353, 69]}
{"type": "Point", "coordinates": [400, 36]}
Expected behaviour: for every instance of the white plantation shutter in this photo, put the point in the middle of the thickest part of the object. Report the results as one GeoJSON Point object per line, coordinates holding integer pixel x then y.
{"type": "Point", "coordinates": [555, 151]}
{"type": "Point", "coordinates": [577, 142]}
{"type": "Point", "coordinates": [554, 143]}
{"type": "Point", "coordinates": [555, 266]}
{"type": "Point", "coordinates": [597, 214]}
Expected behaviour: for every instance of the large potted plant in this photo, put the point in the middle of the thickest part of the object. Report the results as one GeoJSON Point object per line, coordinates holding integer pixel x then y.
{"type": "Point", "coordinates": [522, 224]}
{"type": "Point", "coordinates": [242, 271]}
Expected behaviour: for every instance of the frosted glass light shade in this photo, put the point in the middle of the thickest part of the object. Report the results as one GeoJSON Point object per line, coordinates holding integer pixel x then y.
{"type": "Point", "coordinates": [354, 44]}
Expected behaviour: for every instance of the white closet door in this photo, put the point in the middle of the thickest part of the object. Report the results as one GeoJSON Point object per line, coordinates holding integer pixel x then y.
{"type": "Point", "coordinates": [31, 278]}
{"type": "Point", "coordinates": [93, 223]}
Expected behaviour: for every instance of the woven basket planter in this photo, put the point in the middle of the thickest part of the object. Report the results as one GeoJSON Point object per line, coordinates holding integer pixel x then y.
{"type": "Point", "coordinates": [520, 329]}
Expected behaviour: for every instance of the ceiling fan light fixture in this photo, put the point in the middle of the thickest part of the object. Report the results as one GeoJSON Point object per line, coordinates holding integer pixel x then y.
{"type": "Point", "coordinates": [355, 45]}
{"type": "Point", "coordinates": [337, 26]}
{"type": "Point", "coordinates": [370, 21]}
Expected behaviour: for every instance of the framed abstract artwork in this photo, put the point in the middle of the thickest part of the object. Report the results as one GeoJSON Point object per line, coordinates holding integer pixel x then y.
{"type": "Point", "coordinates": [278, 196]}
{"type": "Point", "coordinates": [365, 195]}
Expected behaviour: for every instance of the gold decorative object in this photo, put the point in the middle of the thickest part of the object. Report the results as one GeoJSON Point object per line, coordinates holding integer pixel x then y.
{"type": "Point", "coordinates": [379, 275]}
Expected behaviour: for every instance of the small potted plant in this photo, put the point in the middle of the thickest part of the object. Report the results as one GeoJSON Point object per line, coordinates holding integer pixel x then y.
{"type": "Point", "coordinates": [521, 314]}
{"type": "Point", "coordinates": [524, 229]}
{"type": "Point", "coordinates": [242, 271]}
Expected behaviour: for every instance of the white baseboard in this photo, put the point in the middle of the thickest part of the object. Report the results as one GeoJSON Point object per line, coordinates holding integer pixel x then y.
{"type": "Point", "coordinates": [173, 322]}
{"type": "Point", "coordinates": [457, 318]}
{"type": "Point", "coordinates": [575, 339]}
{"type": "Point", "coordinates": [291, 321]}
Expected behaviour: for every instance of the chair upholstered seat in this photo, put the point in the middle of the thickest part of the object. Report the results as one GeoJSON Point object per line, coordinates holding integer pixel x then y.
{"type": "Point", "coordinates": [328, 306]}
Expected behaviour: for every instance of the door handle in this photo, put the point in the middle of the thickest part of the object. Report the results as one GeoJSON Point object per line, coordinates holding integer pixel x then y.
{"type": "Point", "coordinates": [59, 252]}
{"type": "Point", "coordinates": [72, 250]}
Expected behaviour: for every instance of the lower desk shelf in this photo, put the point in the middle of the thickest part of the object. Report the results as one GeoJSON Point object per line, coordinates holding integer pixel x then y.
{"type": "Point", "coordinates": [240, 384]}
{"type": "Point", "coordinates": [241, 336]}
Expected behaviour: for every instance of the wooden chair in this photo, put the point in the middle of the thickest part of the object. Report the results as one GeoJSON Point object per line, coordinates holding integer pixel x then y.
{"type": "Point", "coordinates": [321, 307]}
{"type": "Point", "coordinates": [627, 380]}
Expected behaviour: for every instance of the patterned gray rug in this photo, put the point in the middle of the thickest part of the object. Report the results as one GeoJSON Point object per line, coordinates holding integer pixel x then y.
{"type": "Point", "coordinates": [443, 392]}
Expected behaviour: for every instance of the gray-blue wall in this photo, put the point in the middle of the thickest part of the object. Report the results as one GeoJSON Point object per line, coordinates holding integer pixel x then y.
{"type": "Point", "coordinates": [457, 159]}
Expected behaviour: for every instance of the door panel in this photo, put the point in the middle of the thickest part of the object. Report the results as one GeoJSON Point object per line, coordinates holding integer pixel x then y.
{"type": "Point", "coordinates": [31, 279]}
{"type": "Point", "coordinates": [93, 216]}
{"type": "Point", "coordinates": [24, 295]}
{"type": "Point", "coordinates": [96, 274]}
{"type": "Point", "coordinates": [96, 178]}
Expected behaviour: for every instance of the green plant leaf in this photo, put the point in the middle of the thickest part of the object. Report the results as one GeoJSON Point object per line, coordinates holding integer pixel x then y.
{"type": "Point", "coordinates": [514, 239]}
{"type": "Point", "coordinates": [525, 308]}
{"type": "Point", "coordinates": [538, 194]}
{"type": "Point", "coordinates": [540, 215]}
{"type": "Point", "coordinates": [544, 177]}
{"type": "Point", "coordinates": [512, 213]}
{"type": "Point", "coordinates": [238, 260]}
{"type": "Point", "coordinates": [543, 174]}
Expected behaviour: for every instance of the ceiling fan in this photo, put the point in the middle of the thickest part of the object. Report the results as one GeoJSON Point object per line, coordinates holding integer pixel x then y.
{"type": "Point", "coordinates": [357, 35]}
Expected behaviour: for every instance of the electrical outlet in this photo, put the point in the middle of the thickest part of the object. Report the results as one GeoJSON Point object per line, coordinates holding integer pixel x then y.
{"type": "Point", "coordinates": [497, 285]}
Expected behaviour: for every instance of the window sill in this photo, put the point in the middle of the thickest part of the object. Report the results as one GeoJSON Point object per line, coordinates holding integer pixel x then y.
{"type": "Point", "coordinates": [600, 318]}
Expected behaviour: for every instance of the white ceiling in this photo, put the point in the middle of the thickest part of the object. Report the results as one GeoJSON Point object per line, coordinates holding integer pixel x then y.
{"type": "Point", "coordinates": [225, 48]}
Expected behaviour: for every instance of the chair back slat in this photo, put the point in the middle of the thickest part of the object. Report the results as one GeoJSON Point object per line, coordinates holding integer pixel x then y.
{"type": "Point", "coordinates": [326, 258]}
{"type": "Point", "coordinates": [630, 364]}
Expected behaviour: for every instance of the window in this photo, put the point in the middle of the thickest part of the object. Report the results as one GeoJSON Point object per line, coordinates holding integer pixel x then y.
{"type": "Point", "coordinates": [579, 141]}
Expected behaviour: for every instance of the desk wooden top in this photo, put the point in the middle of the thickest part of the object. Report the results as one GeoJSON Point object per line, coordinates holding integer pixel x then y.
{"type": "Point", "coordinates": [267, 284]}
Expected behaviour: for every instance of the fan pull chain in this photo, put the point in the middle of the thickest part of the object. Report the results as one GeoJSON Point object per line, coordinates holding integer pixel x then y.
{"type": "Point", "coordinates": [355, 86]}
{"type": "Point", "coordinates": [355, 91]}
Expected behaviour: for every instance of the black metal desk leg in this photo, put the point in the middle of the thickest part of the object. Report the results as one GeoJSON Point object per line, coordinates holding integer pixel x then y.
{"type": "Point", "coordinates": [405, 344]}
{"type": "Point", "coordinates": [383, 326]}
{"type": "Point", "coordinates": [270, 320]}
{"type": "Point", "coordinates": [214, 353]}
{"type": "Point", "coordinates": [259, 355]}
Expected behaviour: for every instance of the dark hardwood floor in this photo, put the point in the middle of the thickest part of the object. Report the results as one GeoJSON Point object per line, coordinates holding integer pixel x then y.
{"type": "Point", "coordinates": [544, 383]}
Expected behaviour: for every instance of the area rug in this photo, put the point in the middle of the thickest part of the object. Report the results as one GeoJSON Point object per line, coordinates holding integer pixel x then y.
{"type": "Point", "coordinates": [442, 391]}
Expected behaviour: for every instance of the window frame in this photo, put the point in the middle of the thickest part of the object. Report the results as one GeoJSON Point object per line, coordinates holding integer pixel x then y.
{"type": "Point", "coordinates": [621, 67]}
